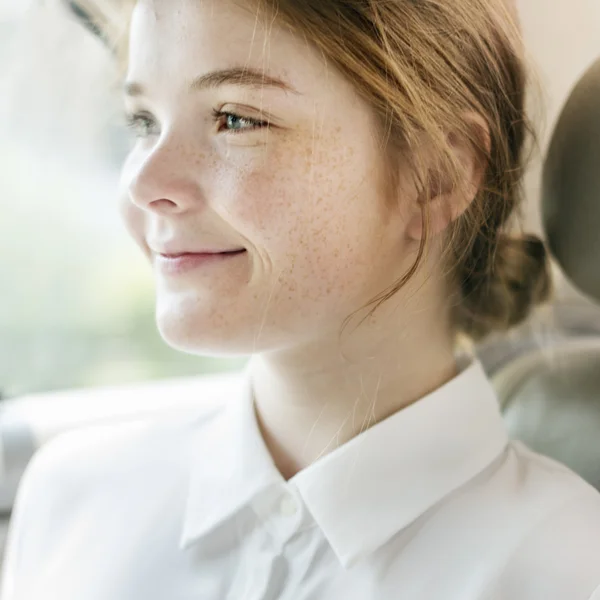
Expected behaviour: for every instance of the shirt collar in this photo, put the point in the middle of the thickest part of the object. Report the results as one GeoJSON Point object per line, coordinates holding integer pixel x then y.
{"type": "Point", "coordinates": [370, 488]}
{"type": "Point", "coordinates": [230, 461]}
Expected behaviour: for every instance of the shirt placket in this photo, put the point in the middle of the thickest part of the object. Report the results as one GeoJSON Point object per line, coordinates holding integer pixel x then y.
{"type": "Point", "coordinates": [279, 512]}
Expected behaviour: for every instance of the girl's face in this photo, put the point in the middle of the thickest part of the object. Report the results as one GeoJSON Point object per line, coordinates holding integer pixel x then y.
{"type": "Point", "coordinates": [285, 166]}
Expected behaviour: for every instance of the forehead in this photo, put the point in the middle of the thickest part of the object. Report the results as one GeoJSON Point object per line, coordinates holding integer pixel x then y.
{"type": "Point", "coordinates": [184, 38]}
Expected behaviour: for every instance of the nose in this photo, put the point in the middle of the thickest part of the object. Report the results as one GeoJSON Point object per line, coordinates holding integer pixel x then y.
{"type": "Point", "coordinates": [163, 181]}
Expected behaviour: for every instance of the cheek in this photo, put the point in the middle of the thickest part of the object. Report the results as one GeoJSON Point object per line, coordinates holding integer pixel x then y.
{"type": "Point", "coordinates": [314, 213]}
{"type": "Point", "coordinates": [300, 188]}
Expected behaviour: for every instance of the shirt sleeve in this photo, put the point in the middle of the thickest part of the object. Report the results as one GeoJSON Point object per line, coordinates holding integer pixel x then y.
{"type": "Point", "coordinates": [12, 550]}
{"type": "Point", "coordinates": [64, 476]}
{"type": "Point", "coordinates": [36, 516]}
{"type": "Point", "coordinates": [18, 530]}
{"type": "Point", "coordinates": [596, 594]}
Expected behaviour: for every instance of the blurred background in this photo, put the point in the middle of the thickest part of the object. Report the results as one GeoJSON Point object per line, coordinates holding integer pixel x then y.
{"type": "Point", "coordinates": [76, 297]}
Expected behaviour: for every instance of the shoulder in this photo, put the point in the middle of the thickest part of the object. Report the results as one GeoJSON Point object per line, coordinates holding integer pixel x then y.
{"type": "Point", "coordinates": [100, 465]}
{"type": "Point", "coordinates": [557, 554]}
{"type": "Point", "coordinates": [551, 485]}
{"type": "Point", "coordinates": [155, 437]}
{"type": "Point", "coordinates": [110, 474]}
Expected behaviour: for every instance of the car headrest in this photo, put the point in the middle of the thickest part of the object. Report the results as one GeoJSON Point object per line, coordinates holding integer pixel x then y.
{"type": "Point", "coordinates": [571, 186]}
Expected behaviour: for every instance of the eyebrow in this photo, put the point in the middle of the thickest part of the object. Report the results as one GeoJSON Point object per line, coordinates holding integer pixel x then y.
{"type": "Point", "coordinates": [241, 76]}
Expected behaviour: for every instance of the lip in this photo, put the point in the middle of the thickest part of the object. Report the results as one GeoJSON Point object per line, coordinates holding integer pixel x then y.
{"type": "Point", "coordinates": [173, 250]}
{"type": "Point", "coordinates": [176, 264]}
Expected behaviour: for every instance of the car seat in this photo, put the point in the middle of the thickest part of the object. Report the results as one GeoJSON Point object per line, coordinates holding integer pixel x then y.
{"type": "Point", "coordinates": [548, 376]}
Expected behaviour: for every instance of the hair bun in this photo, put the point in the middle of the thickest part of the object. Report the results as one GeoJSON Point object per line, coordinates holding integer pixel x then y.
{"type": "Point", "coordinates": [518, 278]}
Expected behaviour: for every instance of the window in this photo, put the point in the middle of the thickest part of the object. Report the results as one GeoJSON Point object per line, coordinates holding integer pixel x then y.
{"type": "Point", "coordinates": [76, 300]}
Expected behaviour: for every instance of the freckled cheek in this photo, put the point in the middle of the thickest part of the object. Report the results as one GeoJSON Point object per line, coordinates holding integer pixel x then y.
{"type": "Point", "coordinates": [299, 208]}
{"type": "Point", "coordinates": [269, 202]}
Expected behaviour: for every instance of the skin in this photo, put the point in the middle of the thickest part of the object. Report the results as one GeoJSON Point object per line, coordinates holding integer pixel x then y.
{"type": "Point", "coordinates": [306, 197]}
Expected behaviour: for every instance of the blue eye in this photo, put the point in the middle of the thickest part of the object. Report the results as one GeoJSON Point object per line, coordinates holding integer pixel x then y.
{"type": "Point", "coordinates": [142, 125]}
{"type": "Point", "coordinates": [237, 124]}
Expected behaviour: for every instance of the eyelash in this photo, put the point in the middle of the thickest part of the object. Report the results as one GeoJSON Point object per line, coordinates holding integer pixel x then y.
{"type": "Point", "coordinates": [137, 120]}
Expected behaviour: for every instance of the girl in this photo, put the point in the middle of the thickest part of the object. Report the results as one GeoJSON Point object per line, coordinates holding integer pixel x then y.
{"type": "Point", "coordinates": [325, 186]}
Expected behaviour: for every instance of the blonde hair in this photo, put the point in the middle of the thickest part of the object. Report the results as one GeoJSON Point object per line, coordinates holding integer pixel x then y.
{"type": "Point", "coordinates": [424, 66]}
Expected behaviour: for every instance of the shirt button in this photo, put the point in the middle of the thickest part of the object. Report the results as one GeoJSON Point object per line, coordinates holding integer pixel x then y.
{"type": "Point", "coordinates": [288, 507]}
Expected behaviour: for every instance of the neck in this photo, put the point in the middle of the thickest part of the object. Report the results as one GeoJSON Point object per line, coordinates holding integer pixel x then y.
{"type": "Point", "coordinates": [311, 400]}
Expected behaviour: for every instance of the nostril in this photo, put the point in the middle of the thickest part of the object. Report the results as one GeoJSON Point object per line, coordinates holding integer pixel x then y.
{"type": "Point", "coordinates": [163, 204]}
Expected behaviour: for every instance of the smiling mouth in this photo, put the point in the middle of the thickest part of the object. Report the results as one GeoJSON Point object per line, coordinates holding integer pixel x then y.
{"type": "Point", "coordinates": [180, 254]}
{"type": "Point", "coordinates": [177, 264]}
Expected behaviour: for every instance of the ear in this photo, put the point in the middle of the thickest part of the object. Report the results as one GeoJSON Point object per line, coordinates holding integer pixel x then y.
{"type": "Point", "coordinates": [449, 198]}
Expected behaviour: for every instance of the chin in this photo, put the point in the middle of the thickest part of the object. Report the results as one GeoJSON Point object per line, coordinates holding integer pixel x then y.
{"type": "Point", "coordinates": [222, 329]}
{"type": "Point", "coordinates": [196, 332]}
{"type": "Point", "coordinates": [196, 336]}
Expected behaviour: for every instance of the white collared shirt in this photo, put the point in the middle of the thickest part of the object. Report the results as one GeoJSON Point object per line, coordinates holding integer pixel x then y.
{"type": "Point", "coordinates": [434, 503]}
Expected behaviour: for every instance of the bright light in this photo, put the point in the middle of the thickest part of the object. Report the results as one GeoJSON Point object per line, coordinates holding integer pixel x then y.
{"type": "Point", "coordinates": [13, 9]}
